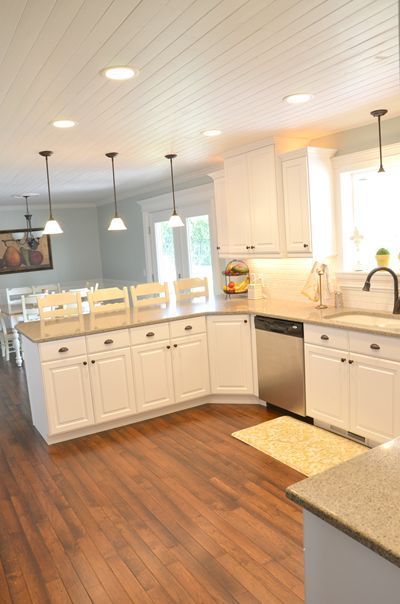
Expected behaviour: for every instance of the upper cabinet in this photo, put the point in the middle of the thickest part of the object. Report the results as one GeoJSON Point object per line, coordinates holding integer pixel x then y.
{"type": "Point", "coordinates": [272, 202]}
{"type": "Point", "coordinates": [308, 202]}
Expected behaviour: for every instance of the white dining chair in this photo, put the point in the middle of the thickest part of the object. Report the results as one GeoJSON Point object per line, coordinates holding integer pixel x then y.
{"type": "Point", "coordinates": [55, 306]}
{"type": "Point", "coordinates": [188, 289]}
{"type": "Point", "coordinates": [149, 294]}
{"type": "Point", "coordinates": [50, 288]}
{"type": "Point", "coordinates": [110, 299]}
{"type": "Point", "coordinates": [13, 297]}
{"type": "Point", "coordinates": [30, 309]}
{"type": "Point", "coordinates": [6, 339]}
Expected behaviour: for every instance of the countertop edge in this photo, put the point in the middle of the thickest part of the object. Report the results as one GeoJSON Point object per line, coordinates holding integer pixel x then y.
{"type": "Point", "coordinates": [344, 527]}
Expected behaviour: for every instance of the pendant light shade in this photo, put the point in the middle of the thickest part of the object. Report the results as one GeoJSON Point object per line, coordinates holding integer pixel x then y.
{"type": "Point", "coordinates": [116, 224]}
{"type": "Point", "coordinates": [52, 227]}
{"type": "Point", "coordinates": [175, 220]}
{"type": "Point", "coordinates": [379, 113]}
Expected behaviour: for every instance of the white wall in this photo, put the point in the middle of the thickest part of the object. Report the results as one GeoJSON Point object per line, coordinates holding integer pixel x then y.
{"type": "Point", "coordinates": [76, 253]}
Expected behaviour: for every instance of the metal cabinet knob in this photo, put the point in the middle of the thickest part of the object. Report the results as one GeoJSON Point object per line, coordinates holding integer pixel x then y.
{"type": "Point", "coordinates": [343, 359]}
{"type": "Point", "coordinates": [324, 337]}
{"type": "Point", "coordinates": [63, 349]}
{"type": "Point", "coordinates": [252, 247]}
{"type": "Point", "coordinates": [93, 362]}
{"type": "Point", "coordinates": [245, 321]}
{"type": "Point", "coordinates": [85, 362]}
{"type": "Point", "coordinates": [375, 347]}
{"type": "Point", "coordinates": [305, 244]}
{"type": "Point", "coordinates": [218, 247]}
{"type": "Point", "coordinates": [168, 346]}
{"type": "Point", "coordinates": [247, 247]}
{"type": "Point", "coordinates": [175, 345]}
{"type": "Point", "coordinates": [351, 362]}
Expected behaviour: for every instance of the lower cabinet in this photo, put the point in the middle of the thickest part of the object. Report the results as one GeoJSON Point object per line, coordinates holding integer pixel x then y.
{"type": "Point", "coordinates": [230, 353]}
{"type": "Point", "coordinates": [152, 369]}
{"type": "Point", "coordinates": [355, 392]}
{"type": "Point", "coordinates": [375, 397]}
{"type": "Point", "coordinates": [112, 384]}
{"type": "Point", "coordinates": [327, 385]}
{"type": "Point", "coordinates": [190, 367]}
{"type": "Point", "coordinates": [67, 393]}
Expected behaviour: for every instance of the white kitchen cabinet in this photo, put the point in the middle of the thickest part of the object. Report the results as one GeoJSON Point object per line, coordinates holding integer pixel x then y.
{"type": "Point", "coordinates": [152, 372]}
{"type": "Point", "coordinates": [112, 384]}
{"type": "Point", "coordinates": [375, 397]}
{"type": "Point", "coordinates": [190, 367]}
{"type": "Point", "coordinates": [67, 394]}
{"type": "Point", "coordinates": [246, 204]}
{"type": "Point", "coordinates": [230, 354]}
{"type": "Point", "coordinates": [308, 202]}
{"type": "Point", "coordinates": [327, 385]}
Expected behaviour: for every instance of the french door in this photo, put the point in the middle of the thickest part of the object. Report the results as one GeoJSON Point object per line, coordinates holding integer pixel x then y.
{"type": "Point", "coordinates": [181, 252]}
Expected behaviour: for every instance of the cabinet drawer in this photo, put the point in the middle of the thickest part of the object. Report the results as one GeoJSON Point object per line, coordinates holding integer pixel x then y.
{"type": "Point", "coordinates": [375, 345]}
{"type": "Point", "coordinates": [107, 340]}
{"type": "Point", "coordinates": [149, 333]}
{"type": "Point", "coordinates": [187, 327]}
{"type": "Point", "coordinates": [62, 349]}
{"type": "Point", "coordinates": [330, 337]}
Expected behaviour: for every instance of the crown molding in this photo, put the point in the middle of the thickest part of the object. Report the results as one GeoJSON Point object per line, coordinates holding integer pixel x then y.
{"type": "Point", "coordinates": [34, 207]}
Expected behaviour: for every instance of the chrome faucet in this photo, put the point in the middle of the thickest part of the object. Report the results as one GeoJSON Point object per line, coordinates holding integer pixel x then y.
{"type": "Point", "coordinates": [367, 286]}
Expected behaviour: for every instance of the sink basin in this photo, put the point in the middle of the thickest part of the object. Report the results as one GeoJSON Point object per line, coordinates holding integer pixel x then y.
{"type": "Point", "coordinates": [366, 319]}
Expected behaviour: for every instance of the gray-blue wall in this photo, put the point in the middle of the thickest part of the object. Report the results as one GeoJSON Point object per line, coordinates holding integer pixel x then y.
{"type": "Point", "coordinates": [122, 252]}
{"type": "Point", "coordinates": [76, 253]}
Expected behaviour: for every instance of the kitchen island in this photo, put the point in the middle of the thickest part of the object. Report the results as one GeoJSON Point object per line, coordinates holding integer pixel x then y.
{"type": "Point", "coordinates": [352, 529]}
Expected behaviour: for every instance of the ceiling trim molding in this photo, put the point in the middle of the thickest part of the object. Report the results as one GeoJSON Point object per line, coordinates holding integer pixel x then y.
{"type": "Point", "coordinates": [361, 159]}
{"type": "Point", "coordinates": [184, 197]}
{"type": "Point", "coordinates": [34, 207]}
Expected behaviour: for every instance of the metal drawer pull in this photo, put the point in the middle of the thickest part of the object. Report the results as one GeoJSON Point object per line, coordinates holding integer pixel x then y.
{"type": "Point", "coordinates": [375, 347]}
{"type": "Point", "coordinates": [188, 327]}
{"type": "Point", "coordinates": [63, 349]}
{"type": "Point", "coordinates": [150, 334]}
{"type": "Point", "coordinates": [324, 337]}
{"type": "Point", "coordinates": [109, 341]}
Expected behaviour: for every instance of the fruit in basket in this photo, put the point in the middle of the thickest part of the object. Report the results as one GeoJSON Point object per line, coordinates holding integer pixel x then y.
{"type": "Point", "coordinates": [231, 285]}
{"type": "Point", "coordinates": [236, 267]}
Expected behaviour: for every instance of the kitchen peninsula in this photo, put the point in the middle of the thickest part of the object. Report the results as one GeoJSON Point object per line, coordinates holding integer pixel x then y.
{"type": "Point", "coordinates": [94, 373]}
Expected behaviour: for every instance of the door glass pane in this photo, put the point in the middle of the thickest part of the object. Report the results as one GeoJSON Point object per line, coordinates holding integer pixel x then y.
{"type": "Point", "coordinates": [199, 247]}
{"type": "Point", "coordinates": [164, 241]}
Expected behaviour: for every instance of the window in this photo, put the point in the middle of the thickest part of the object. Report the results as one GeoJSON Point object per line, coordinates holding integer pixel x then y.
{"type": "Point", "coordinates": [370, 216]}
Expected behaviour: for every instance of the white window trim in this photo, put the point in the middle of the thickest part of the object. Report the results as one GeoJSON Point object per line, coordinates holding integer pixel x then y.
{"type": "Point", "coordinates": [184, 199]}
{"type": "Point", "coordinates": [360, 160]}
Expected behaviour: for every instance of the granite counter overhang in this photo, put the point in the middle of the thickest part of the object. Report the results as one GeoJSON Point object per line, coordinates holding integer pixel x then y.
{"type": "Point", "coordinates": [45, 331]}
{"type": "Point", "coordinates": [360, 497]}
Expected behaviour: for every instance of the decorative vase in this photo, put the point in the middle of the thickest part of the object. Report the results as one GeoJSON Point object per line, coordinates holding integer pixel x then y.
{"type": "Point", "coordinates": [382, 259]}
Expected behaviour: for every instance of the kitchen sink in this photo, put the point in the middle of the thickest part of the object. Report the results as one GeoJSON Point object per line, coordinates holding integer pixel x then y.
{"type": "Point", "coordinates": [380, 320]}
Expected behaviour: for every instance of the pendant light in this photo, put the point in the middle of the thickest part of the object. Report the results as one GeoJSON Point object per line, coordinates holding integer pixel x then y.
{"type": "Point", "coordinates": [52, 227]}
{"type": "Point", "coordinates": [28, 237]}
{"type": "Point", "coordinates": [379, 113]}
{"type": "Point", "coordinates": [175, 220]}
{"type": "Point", "coordinates": [116, 224]}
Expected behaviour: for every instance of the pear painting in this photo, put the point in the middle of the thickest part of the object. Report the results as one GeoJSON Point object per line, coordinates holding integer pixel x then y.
{"type": "Point", "coordinates": [22, 251]}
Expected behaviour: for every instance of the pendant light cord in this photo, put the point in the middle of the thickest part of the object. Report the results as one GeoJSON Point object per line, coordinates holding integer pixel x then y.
{"type": "Point", "coordinates": [115, 190]}
{"type": "Point", "coordinates": [48, 187]}
{"type": "Point", "coordinates": [173, 186]}
{"type": "Point", "coordinates": [381, 169]}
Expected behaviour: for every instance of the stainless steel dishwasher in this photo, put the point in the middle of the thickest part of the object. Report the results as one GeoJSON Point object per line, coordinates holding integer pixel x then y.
{"type": "Point", "coordinates": [280, 362]}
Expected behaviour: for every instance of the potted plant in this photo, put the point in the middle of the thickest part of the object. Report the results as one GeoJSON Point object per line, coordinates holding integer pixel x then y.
{"type": "Point", "coordinates": [382, 257]}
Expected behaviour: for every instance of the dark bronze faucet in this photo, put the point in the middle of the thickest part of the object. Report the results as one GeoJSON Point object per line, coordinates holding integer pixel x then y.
{"type": "Point", "coordinates": [367, 286]}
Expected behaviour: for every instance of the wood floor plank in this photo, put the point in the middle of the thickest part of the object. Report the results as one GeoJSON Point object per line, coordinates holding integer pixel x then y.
{"type": "Point", "coordinates": [170, 510]}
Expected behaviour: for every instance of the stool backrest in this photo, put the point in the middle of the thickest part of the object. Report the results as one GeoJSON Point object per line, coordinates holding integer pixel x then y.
{"type": "Point", "coordinates": [149, 294]}
{"type": "Point", "coordinates": [66, 304]}
{"type": "Point", "coordinates": [187, 289]}
{"type": "Point", "coordinates": [110, 299]}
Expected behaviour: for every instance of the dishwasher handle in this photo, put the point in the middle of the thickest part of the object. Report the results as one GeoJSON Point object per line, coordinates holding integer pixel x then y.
{"type": "Point", "coordinates": [287, 328]}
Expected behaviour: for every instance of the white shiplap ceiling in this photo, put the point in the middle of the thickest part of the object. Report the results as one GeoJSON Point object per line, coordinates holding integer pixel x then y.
{"type": "Point", "coordinates": [203, 64]}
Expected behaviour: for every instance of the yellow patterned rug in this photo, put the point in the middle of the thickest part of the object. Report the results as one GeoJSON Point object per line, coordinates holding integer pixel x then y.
{"type": "Point", "coordinates": [303, 447]}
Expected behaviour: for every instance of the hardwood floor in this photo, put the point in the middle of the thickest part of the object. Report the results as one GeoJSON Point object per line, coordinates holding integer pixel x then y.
{"type": "Point", "coordinates": [168, 510]}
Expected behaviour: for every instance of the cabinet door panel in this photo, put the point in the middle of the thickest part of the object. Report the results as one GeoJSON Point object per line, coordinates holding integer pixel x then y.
{"type": "Point", "coordinates": [327, 385]}
{"type": "Point", "coordinates": [375, 397]}
{"type": "Point", "coordinates": [68, 395]}
{"type": "Point", "coordinates": [190, 367]}
{"type": "Point", "coordinates": [231, 364]}
{"type": "Point", "coordinates": [152, 371]}
{"type": "Point", "coordinates": [237, 204]}
{"type": "Point", "coordinates": [263, 201]}
{"type": "Point", "coordinates": [221, 215]}
{"type": "Point", "coordinates": [112, 385]}
{"type": "Point", "coordinates": [297, 206]}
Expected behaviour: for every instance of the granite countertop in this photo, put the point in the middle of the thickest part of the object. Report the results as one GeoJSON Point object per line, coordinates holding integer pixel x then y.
{"type": "Point", "coordinates": [43, 331]}
{"type": "Point", "coordinates": [361, 497]}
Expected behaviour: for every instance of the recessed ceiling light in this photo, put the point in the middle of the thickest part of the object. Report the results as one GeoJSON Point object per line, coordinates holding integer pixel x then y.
{"type": "Point", "coordinates": [300, 97]}
{"type": "Point", "coordinates": [63, 123]}
{"type": "Point", "coordinates": [212, 132]}
{"type": "Point", "coordinates": [120, 72]}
